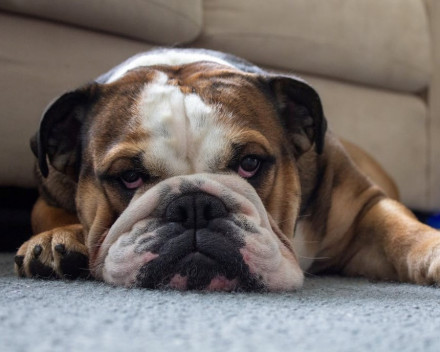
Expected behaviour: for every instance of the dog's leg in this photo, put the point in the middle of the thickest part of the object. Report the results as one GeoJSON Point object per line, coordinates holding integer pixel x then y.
{"type": "Point", "coordinates": [57, 250]}
{"type": "Point", "coordinates": [367, 233]}
{"type": "Point", "coordinates": [390, 243]}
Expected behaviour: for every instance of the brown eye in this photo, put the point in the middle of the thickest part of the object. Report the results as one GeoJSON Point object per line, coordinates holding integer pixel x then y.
{"type": "Point", "coordinates": [131, 179]}
{"type": "Point", "coordinates": [249, 166]}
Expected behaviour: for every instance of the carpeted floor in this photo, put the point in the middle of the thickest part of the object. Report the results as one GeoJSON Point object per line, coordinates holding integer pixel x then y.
{"type": "Point", "coordinates": [328, 314]}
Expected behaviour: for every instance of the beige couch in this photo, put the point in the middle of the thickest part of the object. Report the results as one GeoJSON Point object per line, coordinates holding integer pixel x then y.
{"type": "Point", "coordinates": [376, 64]}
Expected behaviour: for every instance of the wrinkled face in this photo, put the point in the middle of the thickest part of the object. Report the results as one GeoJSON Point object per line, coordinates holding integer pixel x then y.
{"type": "Point", "coordinates": [188, 181]}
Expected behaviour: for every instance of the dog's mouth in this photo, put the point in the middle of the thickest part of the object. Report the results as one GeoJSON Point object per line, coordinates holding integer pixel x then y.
{"type": "Point", "coordinates": [198, 271]}
{"type": "Point", "coordinates": [199, 232]}
{"type": "Point", "coordinates": [204, 259]}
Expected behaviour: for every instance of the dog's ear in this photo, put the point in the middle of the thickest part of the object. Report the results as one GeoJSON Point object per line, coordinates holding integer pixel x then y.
{"type": "Point", "coordinates": [300, 109]}
{"type": "Point", "coordinates": [58, 138]}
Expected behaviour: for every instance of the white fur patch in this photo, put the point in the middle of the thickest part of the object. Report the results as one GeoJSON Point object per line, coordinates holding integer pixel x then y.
{"type": "Point", "coordinates": [184, 135]}
{"type": "Point", "coordinates": [166, 57]}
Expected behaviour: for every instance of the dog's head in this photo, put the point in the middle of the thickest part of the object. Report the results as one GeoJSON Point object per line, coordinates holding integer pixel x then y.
{"type": "Point", "coordinates": [186, 176]}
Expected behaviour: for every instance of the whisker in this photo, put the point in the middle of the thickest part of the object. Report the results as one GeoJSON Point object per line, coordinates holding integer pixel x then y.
{"type": "Point", "coordinates": [311, 241]}
{"type": "Point", "coordinates": [291, 218]}
{"type": "Point", "coordinates": [304, 216]}
{"type": "Point", "coordinates": [283, 221]}
{"type": "Point", "coordinates": [310, 274]}
{"type": "Point", "coordinates": [314, 258]}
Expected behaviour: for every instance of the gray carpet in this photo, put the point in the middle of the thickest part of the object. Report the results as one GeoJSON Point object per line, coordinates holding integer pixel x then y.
{"type": "Point", "coordinates": [328, 314]}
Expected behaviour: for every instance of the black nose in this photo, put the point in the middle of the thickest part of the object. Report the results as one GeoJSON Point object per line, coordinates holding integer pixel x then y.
{"type": "Point", "coordinates": [195, 210]}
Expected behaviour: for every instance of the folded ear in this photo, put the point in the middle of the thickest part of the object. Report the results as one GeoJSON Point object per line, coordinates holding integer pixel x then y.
{"type": "Point", "coordinates": [57, 139]}
{"type": "Point", "coordinates": [300, 109]}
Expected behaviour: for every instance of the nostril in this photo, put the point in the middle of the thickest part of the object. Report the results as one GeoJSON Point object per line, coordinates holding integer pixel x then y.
{"type": "Point", "coordinates": [212, 208]}
{"type": "Point", "coordinates": [181, 214]}
{"type": "Point", "coordinates": [195, 210]}
{"type": "Point", "coordinates": [179, 210]}
{"type": "Point", "coordinates": [207, 212]}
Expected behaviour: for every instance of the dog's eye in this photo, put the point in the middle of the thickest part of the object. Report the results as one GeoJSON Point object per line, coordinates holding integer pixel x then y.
{"type": "Point", "coordinates": [249, 166]}
{"type": "Point", "coordinates": [131, 179]}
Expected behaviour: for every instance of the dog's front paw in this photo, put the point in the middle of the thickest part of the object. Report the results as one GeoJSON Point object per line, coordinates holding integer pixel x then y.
{"type": "Point", "coordinates": [58, 253]}
{"type": "Point", "coordinates": [423, 261]}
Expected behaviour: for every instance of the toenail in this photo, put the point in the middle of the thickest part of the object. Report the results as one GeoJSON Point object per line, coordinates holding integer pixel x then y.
{"type": "Point", "coordinates": [19, 260]}
{"type": "Point", "coordinates": [60, 248]}
{"type": "Point", "coordinates": [37, 250]}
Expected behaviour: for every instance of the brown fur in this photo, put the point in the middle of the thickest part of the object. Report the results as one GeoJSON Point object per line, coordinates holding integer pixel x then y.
{"type": "Point", "coordinates": [372, 169]}
{"type": "Point", "coordinates": [347, 222]}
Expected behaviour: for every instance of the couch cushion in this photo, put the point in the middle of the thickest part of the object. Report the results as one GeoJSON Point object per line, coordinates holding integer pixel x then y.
{"type": "Point", "coordinates": [170, 22]}
{"type": "Point", "coordinates": [376, 42]}
{"type": "Point", "coordinates": [39, 61]}
{"type": "Point", "coordinates": [434, 105]}
{"type": "Point", "coordinates": [391, 126]}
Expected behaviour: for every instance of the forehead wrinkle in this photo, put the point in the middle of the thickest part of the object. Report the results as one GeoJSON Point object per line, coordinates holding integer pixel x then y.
{"type": "Point", "coordinates": [121, 150]}
{"type": "Point", "coordinates": [253, 136]}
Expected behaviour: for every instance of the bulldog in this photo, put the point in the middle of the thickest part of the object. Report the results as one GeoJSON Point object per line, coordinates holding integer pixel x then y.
{"type": "Point", "coordinates": [194, 169]}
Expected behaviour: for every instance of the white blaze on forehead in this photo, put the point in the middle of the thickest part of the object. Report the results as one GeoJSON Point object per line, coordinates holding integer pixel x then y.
{"type": "Point", "coordinates": [184, 133]}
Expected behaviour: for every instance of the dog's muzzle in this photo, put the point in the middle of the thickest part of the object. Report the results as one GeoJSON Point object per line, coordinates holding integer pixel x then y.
{"type": "Point", "coordinates": [205, 232]}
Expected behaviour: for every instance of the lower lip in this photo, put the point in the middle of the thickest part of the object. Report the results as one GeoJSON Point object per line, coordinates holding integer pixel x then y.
{"type": "Point", "coordinates": [198, 256]}
{"type": "Point", "coordinates": [218, 283]}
